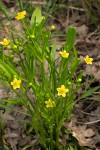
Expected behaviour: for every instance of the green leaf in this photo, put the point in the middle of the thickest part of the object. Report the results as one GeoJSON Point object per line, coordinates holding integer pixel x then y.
{"type": "Point", "coordinates": [90, 92]}
{"type": "Point", "coordinates": [20, 4]}
{"type": "Point", "coordinates": [53, 50]}
{"type": "Point", "coordinates": [74, 66]}
{"type": "Point", "coordinates": [3, 106]}
{"type": "Point", "coordinates": [72, 148]}
{"type": "Point", "coordinates": [13, 101]}
{"type": "Point", "coordinates": [7, 69]}
{"type": "Point", "coordinates": [4, 11]}
{"type": "Point", "coordinates": [36, 16]}
{"type": "Point", "coordinates": [27, 146]}
{"type": "Point", "coordinates": [71, 36]}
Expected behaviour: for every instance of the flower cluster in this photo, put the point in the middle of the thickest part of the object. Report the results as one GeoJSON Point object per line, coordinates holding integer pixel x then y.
{"type": "Point", "coordinates": [62, 91]}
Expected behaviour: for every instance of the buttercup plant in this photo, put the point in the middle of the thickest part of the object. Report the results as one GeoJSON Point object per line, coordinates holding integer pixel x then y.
{"type": "Point", "coordinates": [52, 86]}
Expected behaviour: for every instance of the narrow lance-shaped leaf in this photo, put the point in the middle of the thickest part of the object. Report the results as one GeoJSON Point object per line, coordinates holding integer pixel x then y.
{"type": "Point", "coordinates": [71, 36]}
{"type": "Point", "coordinates": [36, 15]}
{"type": "Point", "coordinates": [90, 92]}
{"type": "Point", "coordinates": [5, 12]}
{"type": "Point", "coordinates": [20, 4]}
{"type": "Point", "coordinates": [7, 69]}
{"type": "Point", "coordinates": [53, 50]}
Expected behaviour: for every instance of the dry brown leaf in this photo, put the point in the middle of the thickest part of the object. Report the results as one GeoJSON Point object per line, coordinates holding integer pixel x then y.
{"type": "Point", "coordinates": [93, 70]}
{"type": "Point", "coordinates": [82, 133]}
{"type": "Point", "coordinates": [82, 30]}
{"type": "Point", "coordinates": [12, 135]}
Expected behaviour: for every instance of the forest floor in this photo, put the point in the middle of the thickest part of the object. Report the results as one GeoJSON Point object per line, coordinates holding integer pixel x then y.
{"type": "Point", "coordinates": [85, 123]}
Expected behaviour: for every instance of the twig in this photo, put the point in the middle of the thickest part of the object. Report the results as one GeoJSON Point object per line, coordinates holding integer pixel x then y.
{"type": "Point", "coordinates": [88, 113]}
{"type": "Point", "coordinates": [70, 7]}
{"type": "Point", "coordinates": [75, 8]}
{"type": "Point", "coordinates": [92, 122]}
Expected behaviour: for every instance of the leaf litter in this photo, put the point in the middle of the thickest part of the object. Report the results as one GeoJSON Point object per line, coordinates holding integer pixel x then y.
{"type": "Point", "coordinates": [85, 125]}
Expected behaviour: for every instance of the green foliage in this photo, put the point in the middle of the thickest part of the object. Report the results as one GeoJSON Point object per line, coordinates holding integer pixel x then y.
{"type": "Point", "coordinates": [71, 36]}
{"type": "Point", "coordinates": [36, 16]}
{"type": "Point", "coordinates": [48, 77]}
{"type": "Point", "coordinates": [90, 92]}
{"type": "Point", "coordinates": [5, 12]}
{"type": "Point", "coordinates": [92, 9]}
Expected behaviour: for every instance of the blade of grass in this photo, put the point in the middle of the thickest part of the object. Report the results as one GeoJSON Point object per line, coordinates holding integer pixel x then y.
{"type": "Point", "coordinates": [90, 92]}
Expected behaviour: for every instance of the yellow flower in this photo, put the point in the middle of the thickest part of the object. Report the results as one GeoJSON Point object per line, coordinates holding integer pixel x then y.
{"type": "Point", "coordinates": [49, 103]}
{"type": "Point", "coordinates": [52, 27]}
{"type": "Point", "coordinates": [16, 83]}
{"type": "Point", "coordinates": [5, 42]}
{"type": "Point", "coordinates": [21, 15]}
{"type": "Point", "coordinates": [64, 54]}
{"type": "Point", "coordinates": [88, 60]}
{"type": "Point", "coordinates": [62, 91]}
